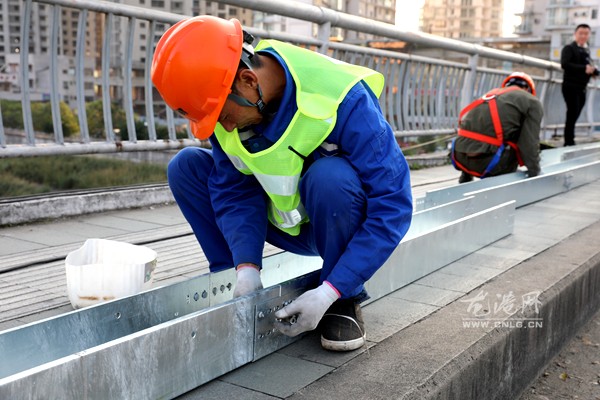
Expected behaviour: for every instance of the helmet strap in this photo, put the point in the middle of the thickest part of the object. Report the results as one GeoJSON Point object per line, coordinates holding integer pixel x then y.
{"type": "Point", "coordinates": [260, 104]}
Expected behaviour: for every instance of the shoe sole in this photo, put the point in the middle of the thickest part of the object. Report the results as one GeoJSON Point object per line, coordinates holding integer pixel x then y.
{"type": "Point", "coordinates": [347, 345]}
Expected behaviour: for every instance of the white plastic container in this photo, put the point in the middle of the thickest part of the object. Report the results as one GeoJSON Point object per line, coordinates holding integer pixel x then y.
{"type": "Point", "coordinates": [103, 270]}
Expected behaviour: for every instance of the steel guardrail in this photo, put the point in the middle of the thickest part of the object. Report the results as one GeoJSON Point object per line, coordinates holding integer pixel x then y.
{"type": "Point", "coordinates": [423, 95]}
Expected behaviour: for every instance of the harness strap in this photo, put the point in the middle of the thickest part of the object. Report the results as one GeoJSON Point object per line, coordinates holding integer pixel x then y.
{"type": "Point", "coordinates": [498, 141]}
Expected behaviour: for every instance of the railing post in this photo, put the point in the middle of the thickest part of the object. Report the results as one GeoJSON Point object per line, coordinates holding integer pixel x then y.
{"type": "Point", "coordinates": [24, 49]}
{"type": "Point", "coordinates": [323, 35]}
{"type": "Point", "coordinates": [80, 76]}
{"type": "Point", "coordinates": [542, 97]}
{"type": "Point", "coordinates": [106, 104]}
{"type": "Point", "coordinates": [54, 96]}
{"type": "Point", "coordinates": [469, 87]}
{"type": "Point", "coordinates": [590, 108]}
{"type": "Point", "coordinates": [127, 72]}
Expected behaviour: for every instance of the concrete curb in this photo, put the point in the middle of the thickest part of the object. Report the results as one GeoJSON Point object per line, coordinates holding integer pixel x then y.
{"type": "Point", "coordinates": [72, 204]}
{"type": "Point", "coordinates": [439, 358]}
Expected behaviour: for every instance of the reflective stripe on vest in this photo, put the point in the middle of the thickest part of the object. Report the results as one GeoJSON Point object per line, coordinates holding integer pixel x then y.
{"type": "Point", "coordinates": [318, 96]}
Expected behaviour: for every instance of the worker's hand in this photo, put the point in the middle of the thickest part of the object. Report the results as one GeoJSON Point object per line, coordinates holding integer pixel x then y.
{"type": "Point", "coordinates": [308, 309]}
{"type": "Point", "coordinates": [247, 280]}
{"type": "Point", "coordinates": [590, 69]}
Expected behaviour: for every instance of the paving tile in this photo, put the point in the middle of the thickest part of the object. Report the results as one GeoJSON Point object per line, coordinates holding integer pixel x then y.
{"type": "Point", "coordinates": [277, 375]}
{"type": "Point", "coordinates": [309, 348]}
{"type": "Point", "coordinates": [9, 324]}
{"type": "Point", "coordinates": [539, 230]}
{"type": "Point", "coordinates": [220, 390]}
{"type": "Point", "coordinates": [526, 242]}
{"type": "Point", "coordinates": [519, 255]}
{"type": "Point", "coordinates": [469, 270]}
{"type": "Point", "coordinates": [60, 310]}
{"type": "Point", "coordinates": [11, 245]}
{"type": "Point", "coordinates": [489, 261]}
{"type": "Point", "coordinates": [451, 282]}
{"type": "Point", "coordinates": [426, 295]}
{"type": "Point", "coordinates": [389, 315]}
{"type": "Point", "coordinates": [61, 233]}
{"type": "Point", "coordinates": [168, 215]}
{"type": "Point", "coordinates": [125, 224]}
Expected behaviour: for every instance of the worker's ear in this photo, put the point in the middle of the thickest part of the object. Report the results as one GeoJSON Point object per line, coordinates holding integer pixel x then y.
{"type": "Point", "coordinates": [247, 79]}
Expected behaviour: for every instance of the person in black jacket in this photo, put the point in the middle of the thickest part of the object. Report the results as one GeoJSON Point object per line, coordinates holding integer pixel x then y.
{"type": "Point", "coordinates": [578, 68]}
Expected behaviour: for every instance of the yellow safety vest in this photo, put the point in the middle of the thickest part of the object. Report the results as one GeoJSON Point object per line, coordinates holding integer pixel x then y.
{"type": "Point", "coordinates": [321, 85]}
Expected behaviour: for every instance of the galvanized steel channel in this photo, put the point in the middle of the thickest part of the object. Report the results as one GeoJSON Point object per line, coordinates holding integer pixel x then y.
{"type": "Point", "coordinates": [172, 339]}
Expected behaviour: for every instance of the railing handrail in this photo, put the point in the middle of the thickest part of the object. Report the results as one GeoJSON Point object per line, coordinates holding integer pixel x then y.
{"type": "Point", "coordinates": [423, 95]}
{"type": "Point", "coordinates": [321, 15]}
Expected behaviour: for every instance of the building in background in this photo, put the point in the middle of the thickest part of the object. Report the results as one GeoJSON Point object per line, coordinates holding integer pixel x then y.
{"type": "Point", "coordinates": [39, 49]}
{"type": "Point", "coordinates": [553, 23]}
{"type": "Point", "coordinates": [144, 39]}
{"type": "Point", "coordinates": [461, 19]}
{"type": "Point", "coordinates": [378, 10]}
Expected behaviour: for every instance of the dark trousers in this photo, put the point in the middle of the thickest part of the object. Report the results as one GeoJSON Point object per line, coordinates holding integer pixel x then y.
{"type": "Point", "coordinates": [575, 99]}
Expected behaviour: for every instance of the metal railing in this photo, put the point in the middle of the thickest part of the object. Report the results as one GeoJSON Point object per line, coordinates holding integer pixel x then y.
{"type": "Point", "coordinates": [423, 95]}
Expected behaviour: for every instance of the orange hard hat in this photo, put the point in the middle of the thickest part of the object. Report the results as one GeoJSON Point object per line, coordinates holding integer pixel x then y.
{"type": "Point", "coordinates": [519, 76]}
{"type": "Point", "coordinates": [194, 66]}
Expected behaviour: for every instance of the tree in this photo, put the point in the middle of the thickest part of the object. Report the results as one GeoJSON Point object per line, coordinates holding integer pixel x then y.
{"type": "Point", "coordinates": [95, 118]}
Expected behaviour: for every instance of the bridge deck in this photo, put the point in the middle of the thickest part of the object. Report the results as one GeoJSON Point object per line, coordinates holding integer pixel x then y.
{"type": "Point", "coordinates": [36, 289]}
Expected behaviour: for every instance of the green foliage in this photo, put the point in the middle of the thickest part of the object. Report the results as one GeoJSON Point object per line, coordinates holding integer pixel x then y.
{"type": "Point", "coordinates": [20, 176]}
{"type": "Point", "coordinates": [95, 118]}
{"type": "Point", "coordinates": [141, 131]}
{"type": "Point", "coordinates": [12, 116]}
{"type": "Point", "coordinates": [41, 114]}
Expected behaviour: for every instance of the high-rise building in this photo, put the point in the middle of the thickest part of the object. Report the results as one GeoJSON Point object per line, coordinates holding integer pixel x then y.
{"type": "Point", "coordinates": [39, 40]}
{"type": "Point", "coordinates": [144, 37]}
{"type": "Point", "coordinates": [463, 18]}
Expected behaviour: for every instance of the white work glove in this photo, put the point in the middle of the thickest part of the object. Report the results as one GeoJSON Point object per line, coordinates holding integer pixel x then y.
{"type": "Point", "coordinates": [247, 280]}
{"type": "Point", "coordinates": [308, 309]}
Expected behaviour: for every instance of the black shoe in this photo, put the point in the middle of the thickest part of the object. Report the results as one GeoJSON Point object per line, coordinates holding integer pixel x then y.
{"type": "Point", "coordinates": [464, 177]}
{"type": "Point", "coordinates": [342, 327]}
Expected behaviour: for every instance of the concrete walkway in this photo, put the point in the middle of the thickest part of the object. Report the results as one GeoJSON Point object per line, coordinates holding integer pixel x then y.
{"type": "Point", "coordinates": [447, 335]}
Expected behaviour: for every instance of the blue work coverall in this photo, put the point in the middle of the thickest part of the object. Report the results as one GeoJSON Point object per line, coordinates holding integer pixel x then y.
{"type": "Point", "coordinates": [357, 196]}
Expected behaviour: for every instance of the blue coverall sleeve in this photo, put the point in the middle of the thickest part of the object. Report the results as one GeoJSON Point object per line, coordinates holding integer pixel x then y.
{"type": "Point", "coordinates": [240, 208]}
{"type": "Point", "coordinates": [368, 143]}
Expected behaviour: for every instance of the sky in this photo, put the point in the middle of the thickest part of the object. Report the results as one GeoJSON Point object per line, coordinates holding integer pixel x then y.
{"type": "Point", "coordinates": [407, 14]}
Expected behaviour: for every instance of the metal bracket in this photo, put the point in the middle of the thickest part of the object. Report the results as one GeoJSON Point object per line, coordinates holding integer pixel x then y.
{"type": "Point", "coordinates": [267, 339]}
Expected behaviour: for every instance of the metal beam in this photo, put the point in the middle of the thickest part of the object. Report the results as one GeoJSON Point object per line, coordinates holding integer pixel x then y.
{"type": "Point", "coordinates": [524, 190]}
{"type": "Point", "coordinates": [175, 338]}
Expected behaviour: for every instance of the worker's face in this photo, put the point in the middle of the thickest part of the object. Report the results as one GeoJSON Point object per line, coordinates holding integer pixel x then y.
{"type": "Point", "coordinates": [234, 115]}
{"type": "Point", "coordinates": [582, 35]}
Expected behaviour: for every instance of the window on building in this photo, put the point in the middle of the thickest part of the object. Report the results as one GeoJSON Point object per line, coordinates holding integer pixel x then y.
{"type": "Point", "coordinates": [157, 3]}
{"type": "Point", "coordinates": [594, 14]}
{"type": "Point", "coordinates": [142, 24]}
{"type": "Point", "coordinates": [221, 6]}
{"type": "Point", "coordinates": [142, 1]}
{"type": "Point", "coordinates": [232, 12]}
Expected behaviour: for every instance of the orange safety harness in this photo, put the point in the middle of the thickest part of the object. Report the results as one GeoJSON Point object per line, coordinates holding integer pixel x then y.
{"type": "Point", "coordinates": [498, 141]}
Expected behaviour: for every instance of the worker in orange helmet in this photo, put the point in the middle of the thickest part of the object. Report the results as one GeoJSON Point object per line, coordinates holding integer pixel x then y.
{"type": "Point", "coordinates": [500, 131]}
{"type": "Point", "coordinates": [301, 157]}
